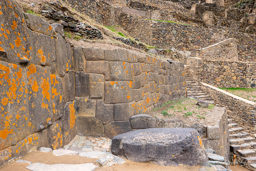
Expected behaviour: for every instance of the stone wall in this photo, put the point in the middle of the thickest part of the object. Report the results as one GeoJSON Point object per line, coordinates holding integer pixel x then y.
{"type": "Point", "coordinates": [51, 90]}
{"type": "Point", "coordinates": [242, 111]}
{"type": "Point", "coordinates": [225, 50]}
{"type": "Point", "coordinates": [217, 135]}
{"type": "Point", "coordinates": [120, 83]}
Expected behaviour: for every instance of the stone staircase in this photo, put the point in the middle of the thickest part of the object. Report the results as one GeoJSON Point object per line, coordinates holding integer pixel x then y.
{"type": "Point", "coordinates": [242, 145]}
{"type": "Point", "coordinates": [194, 90]}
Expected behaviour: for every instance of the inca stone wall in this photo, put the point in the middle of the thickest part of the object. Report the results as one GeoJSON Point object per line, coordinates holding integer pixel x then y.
{"type": "Point", "coordinates": [114, 84]}
{"type": "Point", "coordinates": [51, 90]}
{"type": "Point", "coordinates": [242, 111]}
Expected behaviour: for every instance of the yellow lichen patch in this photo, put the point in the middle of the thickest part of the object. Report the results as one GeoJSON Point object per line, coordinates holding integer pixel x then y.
{"type": "Point", "coordinates": [1, 49]}
{"type": "Point", "coordinates": [4, 101]}
{"type": "Point", "coordinates": [130, 84]}
{"type": "Point", "coordinates": [4, 133]}
{"type": "Point", "coordinates": [14, 25]}
{"type": "Point", "coordinates": [18, 42]}
{"type": "Point", "coordinates": [29, 125]}
{"type": "Point", "coordinates": [200, 142]}
{"type": "Point", "coordinates": [72, 115]}
{"type": "Point", "coordinates": [35, 86]}
{"type": "Point", "coordinates": [41, 55]}
{"type": "Point", "coordinates": [45, 89]}
{"type": "Point", "coordinates": [112, 83]}
{"type": "Point", "coordinates": [18, 116]}
{"type": "Point", "coordinates": [44, 106]}
{"type": "Point", "coordinates": [31, 70]}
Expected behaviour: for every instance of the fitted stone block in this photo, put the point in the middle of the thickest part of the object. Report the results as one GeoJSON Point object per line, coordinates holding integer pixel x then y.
{"type": "Point", "coordinates": [85, 107]}
{"type": "Point", "coordinates": [117, 127]}
{"type": "Point", "coordinates": [98, 67]}
{"type": "Point", "coordinates": [82, 84]}
{"type": "Point", "coordinates": [121, 71]}
{"type": "Point", "coordinates": [79, 59]}
{"type": "Point", "coordinates": [137, 94]}
{"type": "Point", "coordinates": [39, 87]}
{"type": "Point", "coordinates": [213, 132]}
{"type": "Point", "coordinates": [89, 126]}
{"type": "Point", "coordinates": [96, 86]}
{"type": "Point", "coordinates": [57, 97]}
{"type": "Point", "coordinates": [137, 69]}
{"type": "Point", "coordinates": [104, 112]}
{"type": "Point", "coordinates": [69, 122]}
{"type": "Point", "coordinates": [43, 50]}
{"type": "Point", "coordinates": [38, 24]}
{"type": "Point", "coordinates": [117, 55]}
{"type": "Point", "coordinates": [58, 28]}
{"type": "Point", "coordinates": [118, 92]}
{"type": "Point", "coordinates": [69, 86]}
{"type": "Point", "coordinates": [123, 111]}
{"type": "Point", "coordinates": [62, 55]}
{"type": "Point", "coordinates": [93, 54]}
{"type": "Point", "coordinates": [137, 82]}
{"type": "Point", "coordinates": [143, 121]}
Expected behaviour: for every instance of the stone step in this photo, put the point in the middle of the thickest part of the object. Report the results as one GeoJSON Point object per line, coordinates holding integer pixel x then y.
{"type": "Point", "coordinates": [253, 144]}
{"type": "Point", "coordinates": [236, 141]}
{"type": "Point", "coordinates": [236, 130]}
{"type": "Point", "coordinates": [253, 166]}
{"type": "Point", "coordinates": [239, 135]}
{"type": "Point", "coordinates": [246, 152]}
{"type": "Point", "coordinates": [248, 139]}
{"type": "Point", "coordinates": [230, 120]}
{"type": "Point", "coordinates": [250, 160]}
{"type": "Point", "coordinates": [231, 125]}
{"type": "Point", "coordinates": [235, 147]}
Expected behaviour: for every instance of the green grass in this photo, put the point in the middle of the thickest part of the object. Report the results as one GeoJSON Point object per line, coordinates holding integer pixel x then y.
{"type": "Point", "coordinates": [188, 114]}
{"type": "Point", "coordinates": [163, 21]}
{"type": "Point", "coordinates": [32, 12]}
{"type": "Point", "coordinates": [76, 37]}
{"type": "Point", "coordinates": [166, 103]}
{"type": "Point", "coordinates": [237, 88]}
{"type": "Point", "coordinates": [68, 35]}
{"type": "Point", "coordinates": [111, 28]}
{"type": "Point", "coordinates": [200, 117]}
{"type": "Point", "coordinates": [210, 106]}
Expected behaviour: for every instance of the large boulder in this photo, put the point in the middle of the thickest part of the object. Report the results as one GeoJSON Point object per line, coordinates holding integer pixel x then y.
{"type": "Point", "coordinates": [164, 146]}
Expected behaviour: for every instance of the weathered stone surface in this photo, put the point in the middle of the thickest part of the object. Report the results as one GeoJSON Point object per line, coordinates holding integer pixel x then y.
{"type": "Point", "coordinates": [213, 132]}
{"type": "Point", "coordinates": [79, 59]}
{"type": "Point", "coordinates": [45, 149]}
{"type": "Point", "coordinates": [62, 55]}
{"type": "Point", "coordinates": [63, 167]}
{"type": "Point", "coordinates": [165, 146]}
{"type": "Point", "coordinates": [104, 112]}
{"type": "Point", "coordinates": [170, 123]}
{"type": "Point", "coordinates": [96, 86]}
{"type": "Point", "coordinates": [110, 160]}
{"type": "Point", "coordinates": [58, 28]}
{"type": "Point", "coordinates": [143, 121]}
{"type": "Point", "coordinates": [123, 111]}
{"type": "Point", "coordinates": [69, 122]}
{"type": "Point", "coordinates": [62, 152]}
{"type": "Point", "coordinates": [69, 86]}
{"type": "Point", "coordinates": [38, 24]}
{"type": "Point", "coordinates": [118, 92]}
{"type": "Point", "coordinates": [215, 157]}
{"type": "Point", "coordinates": [121, 71]}
{"type": "Point", "coordinates": [82, 84]}
{"type": "Point", "coordinates": [39, 86]}
{"type": "Point", "coordinates": [116, 55]}
{"type": "Point", "coordinates": [94, 154]}
{"type": "Point", "coordinates": [93, 54]}
{"type": "Point", "coordinates": [42, 49]}
{"type": "Point", "coordinates": [98, 67]}
{"type": "Point", "coordinates": [89, 126]}
{"type": "Point", "coordinates": [117, 127]}
{"type": "Point", "coordinates": [57, 97]}
{"type": "Point", "coordinates": [85, 107]}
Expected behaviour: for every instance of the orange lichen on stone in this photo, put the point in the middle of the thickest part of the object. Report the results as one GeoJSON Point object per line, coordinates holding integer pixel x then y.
{"type": "Point", "coordinates": [41, 55]}
{"type": "Point", "coordinates": [4, 101]}
{"type": "Point", "coordinates": [130, 84]}
{"type": "Point", "coordinates": [18, 116]}
{"type": "Point", "coordinates": [4, 133]}
{"type": "Point", "coordinates": [14, 25]}
{"type": "Point", "coordinates": [31, 70]}
{"type": "Point", "coordinates": [45, 89]}
{"type": "Point", "coordinates": [200, 142]}
{"type": "Point", "coordinates": [18, 42]}
{"type": "Point", "coordinates": [72, 115]}
{"type": "Point", "coordinates": [113, 83]}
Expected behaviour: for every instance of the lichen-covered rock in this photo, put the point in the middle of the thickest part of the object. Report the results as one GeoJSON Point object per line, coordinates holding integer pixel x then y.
{"type": "Point", "coordinates": [165, 146]}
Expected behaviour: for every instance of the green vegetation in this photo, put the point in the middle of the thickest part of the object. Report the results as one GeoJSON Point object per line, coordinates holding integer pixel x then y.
{"type": "Point", "coordinates": [76, 37]}
{"type": "Point", "coordinates": [32, 12]}
{"type": "Point", "coordinates": [200, 117]}
{"type": "Point", "coordinates": [188, 114]}
{"type": "Point", "coordinates": [71, 36]}
{"type": "Point", "coordinates": [210, 106]}
{"type": "Point", "coordinates": [237, 88]}
{"type": "Point", "coordinates": [68, 35]}
{"type": "Point", "coordinates": [166, 103]}
{"type": "Point", "coordinates": [111, 28]}
{"type": "Point", "coordinates": [163, 21]}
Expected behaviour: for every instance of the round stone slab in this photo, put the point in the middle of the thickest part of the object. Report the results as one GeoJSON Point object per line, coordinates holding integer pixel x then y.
{"type": "Point", "coordinates": [164, 146]}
